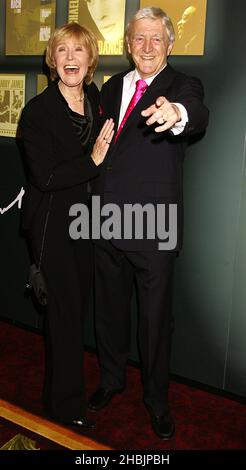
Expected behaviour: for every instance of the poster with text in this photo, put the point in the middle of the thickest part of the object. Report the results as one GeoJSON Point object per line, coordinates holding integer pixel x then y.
{"type": "Point", "coordinates": [12, 100]}
{"type": "Point", "coordinates": [29, 24]}
{"type": "Point", "coordinates": [189, 21]}
{"type": "Point", "coordinates": [106, 19]}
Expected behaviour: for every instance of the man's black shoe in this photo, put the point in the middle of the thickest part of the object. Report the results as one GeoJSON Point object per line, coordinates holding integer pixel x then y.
{"type": "Point", "coordinates": [83, 423]}
{"type": "Point", "coordinates": [101, 398]}
{"type": "Point", "coordinates": [163, 426]}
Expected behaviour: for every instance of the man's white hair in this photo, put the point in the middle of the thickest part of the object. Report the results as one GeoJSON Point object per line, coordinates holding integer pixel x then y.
{"type": "Point", "coordinates": [152, 13]}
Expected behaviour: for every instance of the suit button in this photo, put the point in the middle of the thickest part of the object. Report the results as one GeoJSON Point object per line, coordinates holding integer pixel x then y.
{"type": "Point", "coordinates": [109, 168]}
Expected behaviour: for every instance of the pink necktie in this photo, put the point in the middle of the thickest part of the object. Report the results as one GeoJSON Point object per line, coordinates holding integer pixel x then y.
{"type": "Point", "coordinates": [141, 86]}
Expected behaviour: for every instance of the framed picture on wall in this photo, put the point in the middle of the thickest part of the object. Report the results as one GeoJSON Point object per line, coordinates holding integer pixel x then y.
{"type": "Point", "coordinates": [29, 24]}
{"type": "Point", "coordinates": [106, 19]}
{"type": "Point", "coordinates": [12, 100]}
{"type": "Point", "coordinates": [189, 21]}
{"type": "Point", "coordinates": [106, 78]}
{"type": "Point", "coordinates": [42, 82]}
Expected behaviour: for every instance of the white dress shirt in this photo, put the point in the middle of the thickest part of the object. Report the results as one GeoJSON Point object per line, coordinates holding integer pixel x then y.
{"type": "Point", "coordinates": [129, 87]}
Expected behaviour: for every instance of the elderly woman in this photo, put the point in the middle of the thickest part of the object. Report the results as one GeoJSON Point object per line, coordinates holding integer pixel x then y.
{"type": "Point", "coordinates": [59, 129]}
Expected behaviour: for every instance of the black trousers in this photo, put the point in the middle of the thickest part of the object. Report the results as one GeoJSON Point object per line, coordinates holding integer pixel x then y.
{"type": "Point", "coordinates": [115, 271]}
{"type": "Point", "coordinates": [68, 270]}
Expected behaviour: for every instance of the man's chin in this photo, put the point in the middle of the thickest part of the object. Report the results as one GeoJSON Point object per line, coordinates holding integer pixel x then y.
{"type": "Point", "coordinates": [147, 72]}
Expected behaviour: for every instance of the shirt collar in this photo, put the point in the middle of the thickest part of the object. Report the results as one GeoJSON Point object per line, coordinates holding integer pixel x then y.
{"type": "Point", "coordinates": [136, 76]}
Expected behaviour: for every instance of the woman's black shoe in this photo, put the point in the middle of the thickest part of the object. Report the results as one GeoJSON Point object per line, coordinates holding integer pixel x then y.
{"type": "Point", "coordinates": [82, 422]}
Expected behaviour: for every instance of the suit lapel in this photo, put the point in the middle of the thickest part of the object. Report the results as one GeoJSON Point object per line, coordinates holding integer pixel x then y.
{"type": "Point", "coordinates": [113, 101]}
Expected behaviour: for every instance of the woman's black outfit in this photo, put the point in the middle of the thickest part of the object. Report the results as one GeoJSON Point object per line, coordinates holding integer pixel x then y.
{"type": "Point", "coordinates": [58, 145]}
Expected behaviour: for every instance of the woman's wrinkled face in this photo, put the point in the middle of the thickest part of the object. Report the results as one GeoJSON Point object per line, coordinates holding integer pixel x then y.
{"type": "Point", "coordinates": [71, 59]}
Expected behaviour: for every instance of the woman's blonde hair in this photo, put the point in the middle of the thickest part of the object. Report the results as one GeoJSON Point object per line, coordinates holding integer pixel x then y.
{"type": "Point", "coordinates": [83, 36]}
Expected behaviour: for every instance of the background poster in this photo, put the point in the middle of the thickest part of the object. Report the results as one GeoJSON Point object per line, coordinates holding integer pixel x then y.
{"type": "Point", "coordinates": [29, 24]}
{"type": "Point", "coordinates": [12, 100]}
{"type": "Point", "coordinates": [189, 20]}
{"type": "Point", "coordinates": [106, 18]}
{"type": "Point", "coordinates": [106, 78]}
{"type": "Point", "coordinates": [42, 83]}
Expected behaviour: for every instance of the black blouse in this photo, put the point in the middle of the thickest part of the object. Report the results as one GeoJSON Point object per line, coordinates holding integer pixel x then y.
{"type": "Point", "coordinates": [82, 123]}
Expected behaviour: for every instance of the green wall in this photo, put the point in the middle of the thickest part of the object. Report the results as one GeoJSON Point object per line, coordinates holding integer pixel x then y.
{"type": "Point", "coordinates": [210, 321]}
{"type": "Point", "coordinates": [210, 297]}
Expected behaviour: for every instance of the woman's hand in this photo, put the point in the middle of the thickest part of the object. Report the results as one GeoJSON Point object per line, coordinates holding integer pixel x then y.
{"type": "Point", "coordinates": [103, 141]}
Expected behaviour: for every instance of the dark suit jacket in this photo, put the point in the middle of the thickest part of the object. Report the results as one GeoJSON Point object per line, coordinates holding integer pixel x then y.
{"type": "Point", "coordinates": [143, 166]}
{"type": "Point", "coordinates": [55, 159]}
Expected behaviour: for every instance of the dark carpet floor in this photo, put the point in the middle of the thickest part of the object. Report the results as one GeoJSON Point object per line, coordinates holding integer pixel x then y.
{"type": "Point", "coordinates": [203, 420]}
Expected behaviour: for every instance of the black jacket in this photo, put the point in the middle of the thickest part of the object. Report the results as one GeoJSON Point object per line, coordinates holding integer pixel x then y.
{"type": "Point", "coordinates": [55, 159]}
{"type": "Point", "coordinates": [143, 166]}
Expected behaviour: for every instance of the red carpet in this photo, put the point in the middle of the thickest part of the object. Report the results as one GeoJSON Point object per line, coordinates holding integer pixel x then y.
{"type": "Point", "coordinates": [203, 420]}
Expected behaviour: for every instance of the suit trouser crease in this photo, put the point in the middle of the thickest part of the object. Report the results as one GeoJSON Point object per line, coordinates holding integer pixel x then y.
{"type": "Point", "coordinates": [114, 274]}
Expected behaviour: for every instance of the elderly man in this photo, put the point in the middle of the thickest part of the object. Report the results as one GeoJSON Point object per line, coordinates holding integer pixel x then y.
{"type": "Point", "coordinates": [144, 165]}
